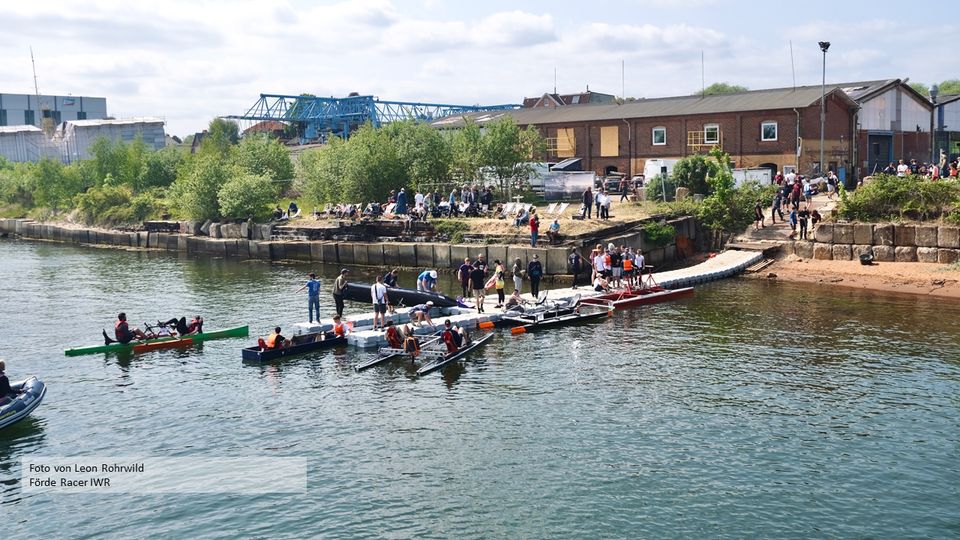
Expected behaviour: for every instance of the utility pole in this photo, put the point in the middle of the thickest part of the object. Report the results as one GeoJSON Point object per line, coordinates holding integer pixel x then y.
{"type": "Point", "coordinates": [824, 45]}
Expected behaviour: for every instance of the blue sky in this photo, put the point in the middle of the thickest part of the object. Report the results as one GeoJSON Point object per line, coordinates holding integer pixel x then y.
{"type": "Point", "coordinates": [191, 61]}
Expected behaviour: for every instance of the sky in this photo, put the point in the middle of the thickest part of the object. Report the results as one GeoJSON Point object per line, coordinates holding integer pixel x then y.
{"type": "Point", "coordinates": [190, 61]}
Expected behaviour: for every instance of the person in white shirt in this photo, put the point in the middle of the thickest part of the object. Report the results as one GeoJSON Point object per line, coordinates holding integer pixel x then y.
{"type": "Point", "coordinates": [378, 293]}
{"type": "Point", "coordinates": [418, 199]}
{"type": "Point", "coordinates": [638, 261]}
{"type": "Point", "coordinates": [903, 169]}
{"type": "Point", "coordinates": [599, 263]}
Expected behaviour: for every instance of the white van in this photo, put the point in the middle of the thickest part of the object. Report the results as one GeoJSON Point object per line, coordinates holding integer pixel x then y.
{"type": "Point", "coordinates": [654, 167]}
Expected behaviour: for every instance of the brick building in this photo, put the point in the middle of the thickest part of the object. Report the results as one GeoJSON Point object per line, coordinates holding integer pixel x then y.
{"type": "Point", "coordinates": [762, 128]}
{"type": "Point", "coordinates": [561, 100]}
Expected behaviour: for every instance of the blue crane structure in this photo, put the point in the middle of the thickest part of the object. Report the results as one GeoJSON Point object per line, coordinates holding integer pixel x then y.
{"type": "Point", "coordinates": [318, 117]}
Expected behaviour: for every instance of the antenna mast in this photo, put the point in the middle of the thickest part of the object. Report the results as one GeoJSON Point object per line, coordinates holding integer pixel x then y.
{"type": "Point", "coordinates": [36, 85]}
{"type": "Point", "coordinates": [792, 68]}
{"type": "Point", "coordinates": [703, 78]}
{"type": "Point", "coordinates": [554, 80]}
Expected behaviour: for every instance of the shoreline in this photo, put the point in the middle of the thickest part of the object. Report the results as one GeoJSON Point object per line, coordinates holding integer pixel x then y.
{"type": "Point", "coordinates": [912, 278]}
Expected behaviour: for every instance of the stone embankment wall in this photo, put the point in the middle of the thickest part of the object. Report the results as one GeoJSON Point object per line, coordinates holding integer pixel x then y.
{"type": "Point", "coordinates": [254, 242]}
{"type": "Point", "coordinates": [890, 242]}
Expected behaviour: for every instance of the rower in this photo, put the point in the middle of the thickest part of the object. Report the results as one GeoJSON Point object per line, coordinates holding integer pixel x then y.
{"type": "Point", "coordinates": [427, 281]}
{"type": "Point", "coordinates": [122, 332]}
{"type": "Point", "coordinates": [411, 346]}
{"type": "Point", "coordinates": [451, 337]}
{"type": "Point", "coordinates": [393, 336]}
{"type": "Point", "coordinates": [275, 340]}
{"type": "Point", "coordinates": [183, 327]}
{"type": "Point", "coordinates": [339, 329]}
{"type": "Point", "coordinates": [515, 302]}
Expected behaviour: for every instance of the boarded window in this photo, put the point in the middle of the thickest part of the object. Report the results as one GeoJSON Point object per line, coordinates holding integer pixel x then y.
{"type": "Point", "coordinates": [610, 141]}
{"type": "Point", "coordinates": [566, 143]}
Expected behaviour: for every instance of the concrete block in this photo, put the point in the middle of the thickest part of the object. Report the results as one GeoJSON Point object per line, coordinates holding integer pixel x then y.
{"type": "Point", "coordinates": [441, 256]}
{"type": "Point", "coordinates": [514, 253]}
{"type": "Point", "coordinates": [823, 252]}
{"type": "Point", "coordinates": [153, 240]}
{"type": "Point", "coordinates": [215, 230]}
{"type": "Point", "coordinates": [316, 251]}
{"type": "Point", "coordinates": [499, 252]}
{"type": "Point", "coordinates": [927, 254]}
{"type": "Point", "coordinates": [556, 261]}
{"type": "Point", "coordinates": [375, 254]}
{"type": "Point", "coordinates": [789, 248]}
{"type": "Point", "coordinates": [408, 255]}
{"type": "Point", "coordinates": [883, 234]}
{"type": "Point", "coordinates": [842, 252]}
{"type": "Point", "coordinates": [653, 257]}
{"type": "Point", "coordinates": [824, 233]}
{"type": "Point", "coordinates": [925, 235]}
{"type": "Point", "coordinates": [331, 253]}
{"type": "Point", "coordinates": [670, 252]}
{"type": "Point", "coordinates": [360, 254]}
{"type": "Point", "coordinates": [345, 251]}
{"type": "Point", "coordinates": [905, 253]}
{"type": "Point", "coordinates": [843, 233]}
{"type": "Point", "coordinates": [230, 247]}
{"type": "Point", "coordinates": [391, 255]}
{"type": "Point", "coordinates": [863, 233]}
{"type": "Point", "coordinates": [259, 250]}
{"type": "Point", "coordinates": [298, 251]}
{"type": "Point", "coordinates": [173, 242]}
{"type": "Point", "coordinates": [458, 252]}
{"type": "Point", "coordinates": [245, 228]}
{"type": "Point", "coordinates": [884, 253]}
{"type": "Point", "coordinates": [948, 256]}
{"type": "Point", "coordinates": [904, 235]}
{"type": "Point", "coordinates": [860, 249]}
{"type": "Point", "coordinates": [230, 230]}
{"type": "Point", "coordinates": [278, 251]}
{"type": "Point", "coordinates": [243, 248]}
{"type": "Point", "coordinates": [205, 228]}
{"type": "Point", "coordinates": [948, 237]}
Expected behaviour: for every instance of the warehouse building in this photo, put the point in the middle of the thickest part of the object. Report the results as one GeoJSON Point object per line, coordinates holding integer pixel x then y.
{"type": "Point", "coordinates": [27, 109]}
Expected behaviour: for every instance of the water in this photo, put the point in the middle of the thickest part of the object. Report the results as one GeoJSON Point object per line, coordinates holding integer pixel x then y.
{"type": "Point", "coordinates": [751, 410]}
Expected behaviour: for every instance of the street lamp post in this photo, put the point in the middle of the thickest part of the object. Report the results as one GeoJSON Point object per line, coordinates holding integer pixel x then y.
{"type": "Point", "coordinates": [824, 45]}
{"type": "Point", "coordinates": [934, 125]}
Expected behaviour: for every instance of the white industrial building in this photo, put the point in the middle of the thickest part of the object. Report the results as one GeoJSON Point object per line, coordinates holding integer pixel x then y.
{"type": "Point", "coordinates": [27, 109]}
{"type": "Point", "coordinates": [72, 140]}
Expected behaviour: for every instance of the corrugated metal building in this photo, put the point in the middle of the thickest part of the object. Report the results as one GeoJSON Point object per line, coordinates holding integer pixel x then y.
{"type": "Point", "coordinates": [75, 138]}
{"type": "Point", "coordinates": [25, 143]}
{"type": "Point", "coordinates": [24, 109]}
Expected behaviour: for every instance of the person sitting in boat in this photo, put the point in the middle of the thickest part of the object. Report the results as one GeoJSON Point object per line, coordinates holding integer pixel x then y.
{"type": "Point", "coordinates": [122, 332]}
{"type": "Point", "coordinates": [515, 302]}
{"type": "Point", "coordinates": [5, 390]}
{"type": "Point", "coordinates": [183, 327]}
{"type": "Point", "coordinates": [339, 329]}
{"type": "Point", "coordinates": [600, 284]}
{"type": "Point", "coordinates": [411, 345]}
{"type": "Point", "coordinates": [421, 313]}
{"type": "Point", "coordinates": [276, 340]}
{"type": "Point", "coordinates": [427, 281]}
{"type": "Point", "coordinates": [394, 340]}
{"type": "Point", "coordinates": [451, 337]}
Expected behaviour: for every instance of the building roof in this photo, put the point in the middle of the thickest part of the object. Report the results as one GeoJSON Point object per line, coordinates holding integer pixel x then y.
{"type": "Point", "coordinates": [115, 122]}
{"type": "Point", "coordinates": [944, 99]}
{"type": "Point", "coordinates": [559, 100]}
{"type": "Point", "coordinates": [20, 129]}
{"type": "Point", "coordinates": [755, 100]}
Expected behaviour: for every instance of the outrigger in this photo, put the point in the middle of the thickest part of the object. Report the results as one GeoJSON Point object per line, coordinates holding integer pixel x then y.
{"type": "Point", "coordinates": [159, 342]}
{"type": "Point", "coordinates": [552, 314]}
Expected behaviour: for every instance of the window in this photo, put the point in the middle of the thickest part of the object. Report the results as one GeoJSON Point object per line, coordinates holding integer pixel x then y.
{"type": "Point", "coordinates": [609, 141]}
{"type": "Point", "coordinates": [711, 133]}
{"type": "Point", "coordinates": [566, 143]}
{"type": "Point", "coordinates": [28, 117]}
{"type": "Point", "coordinates": [768, 131]}
{"type": "Point", "coordinates": [3, 117]}
{"type": "Point", "coordinates": [659, 136]}
{"type": "Point", "coordinates": [81, 115]}
{"type": "Point", "coordinates": [575, 100]}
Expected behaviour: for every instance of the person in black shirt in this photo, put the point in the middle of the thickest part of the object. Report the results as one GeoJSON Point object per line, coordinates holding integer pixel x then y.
{"type": "Point", "coordinates": [535, 272]}
{"type": "Point", "coordinates": [477, 281]}
{"type": "Point", "coordinates": [802, 217]}
{"type": "Point", "coordinates": [575, 263]}
{"type": "Point", "coordinates": [481, 263]}
{"type": "Point", "coordinates": [5, 390]}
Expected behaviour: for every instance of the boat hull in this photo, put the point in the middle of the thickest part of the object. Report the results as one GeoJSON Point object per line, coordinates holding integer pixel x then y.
{"type": "Point", "coordinates": [305, 343]}
{"type": "Point", "coordinates": [31, 393]}
{"type": "Point", "coordinates": [164, 342]}
{"type": "Point", "coordinates": [639, 298]}
{"type": "Point", "coordinates": [360, 292]}
{"type": "Point", "coordinates": [530, 322]}
{"type": "Point", "coordinates": [445, 359]}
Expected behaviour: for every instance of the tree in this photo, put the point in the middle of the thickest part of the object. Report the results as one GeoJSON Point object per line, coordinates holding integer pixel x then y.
{"type": "Point", "coordinates": [721, 88]}
{"type": "Point", "coordinates": [507, 151]}
{"type": "Point", "coordinates": [246, 196]}
{"type": "Point", "coordinates": [160, 168]}
{"type": "Point", "coordinates": [261, 155]}
{"type": "Point", "coordinates": [197, 189]}
{"type": "Point", "coordinates": [321, 171]}
{"type": "Point", "coordinates": [945, 88]}
{"type": "Point", "coordinates": [371, 168]}
{"type": "Point", "coordinates": [466, 152]}
{"type": "Point", "coordinates": [423, 152]}
{"type": "Point", "coordinates": [221, 135]}
{"type": "Point", "coordinates": [691, 172]}
{"type": "Point", "coordinates": [54, 184]}
{"type": "Point", "coordinates": [122, 162]}
{"type": "Point", "coordinates": [921, 88]}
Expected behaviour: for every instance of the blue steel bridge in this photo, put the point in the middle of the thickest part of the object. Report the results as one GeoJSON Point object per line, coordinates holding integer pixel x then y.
{"type": "Point", "coordinates": [318, 117]}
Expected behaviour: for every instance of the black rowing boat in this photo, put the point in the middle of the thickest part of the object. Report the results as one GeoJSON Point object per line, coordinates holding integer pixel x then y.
{"type": "Point", "coordinates": [298, 345]}
{"type": "Point", "coordinates": [387, 354]}
{"type": "Point", "coordinates": [360, 292]}
{"type": "Point", "coordinates": [442, 358]}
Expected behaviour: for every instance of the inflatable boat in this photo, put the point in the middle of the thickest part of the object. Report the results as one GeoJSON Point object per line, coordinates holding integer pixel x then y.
{"type": "Point", "coordinates": [360, 292]}
{"type": "Point", "coordinates": [29, 395]}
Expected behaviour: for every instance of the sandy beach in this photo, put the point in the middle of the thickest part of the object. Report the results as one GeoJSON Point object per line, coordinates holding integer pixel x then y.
{"type": "Point", "coordinates": [935, 280]}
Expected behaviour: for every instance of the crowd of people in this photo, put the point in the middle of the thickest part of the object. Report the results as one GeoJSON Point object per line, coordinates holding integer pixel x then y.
{"type": "Point", "coordinates": [932, 171]}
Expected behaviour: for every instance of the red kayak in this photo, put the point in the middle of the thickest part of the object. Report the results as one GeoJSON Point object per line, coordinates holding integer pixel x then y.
{"type": "Point", "coordinates": [637, 297]}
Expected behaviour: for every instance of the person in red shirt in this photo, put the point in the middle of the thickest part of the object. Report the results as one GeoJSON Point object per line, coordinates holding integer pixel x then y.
{"type": "Point", "coordinates": [534, 227]}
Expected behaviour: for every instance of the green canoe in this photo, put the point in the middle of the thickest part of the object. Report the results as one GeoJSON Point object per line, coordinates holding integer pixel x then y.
{"type": "Point", "coordinates": [239, 331]}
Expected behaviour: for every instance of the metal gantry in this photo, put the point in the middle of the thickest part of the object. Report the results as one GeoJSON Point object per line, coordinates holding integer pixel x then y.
{"type": "Point", "coordinates": [320, 116]}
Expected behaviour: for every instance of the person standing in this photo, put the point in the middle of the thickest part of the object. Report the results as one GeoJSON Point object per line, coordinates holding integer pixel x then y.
{"type": "Point", "coordinates": [639, 261]}
{"type": "Point", "coordinates": [378, 294]}
{"type": "Point", "coordinates": [616, 267]}
{"type": "Point", "coordinates": [623, 189]}
{"type": "Point", "coordinates": [607, 201]}
{"type": "Point", "coordinates": [5, 390]}
{"type": "Point", "coordinates": [587, 199]}
{"type": "Point", "coordinates": [499, 283]}
{"type": "Point", "coordinates": [534, 227]}
{"type": "Point", "coordinates": [793, 222]}
{"type": "Point", "coordinates": [390, 278]}
{"type": "Point", "coordinates": [535, 272]}
{"type": "Point", "coordinates": [313, 295]}
{"type": "Point", "coordinates": [463, 274]}
{"type": "Point", "coordinates": [598, 201]}
{"type": "Point", "coordinates": [802, 217]}
{"type": "Point", "coordinates": [776, 209]}
{"type": "Point", "coordinates": [517, 271]}
{"type": "Point", "coordinates": [339, 287]}
{"type": "Point", "coordinates": [478, 281]}
{"type": "Point", "coordinates": [481, 263]}
{"type": "Point", "coordinates": [757, 216]}
{"type": "Point", "coordinates": [575, 263]}
{"type": "Point", "coordinates": [401, 202]}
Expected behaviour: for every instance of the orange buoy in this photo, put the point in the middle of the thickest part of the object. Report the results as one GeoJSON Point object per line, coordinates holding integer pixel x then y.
{"type": "Point", "coordinates": [485, 324]}
{"type": "Point", "coordinates": [517, 330]}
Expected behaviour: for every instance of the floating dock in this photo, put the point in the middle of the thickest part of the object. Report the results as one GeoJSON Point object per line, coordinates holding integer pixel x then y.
{"type": "Point", "coordinates": [724, 265]}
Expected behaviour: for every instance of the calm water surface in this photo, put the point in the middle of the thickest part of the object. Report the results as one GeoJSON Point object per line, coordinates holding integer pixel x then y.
{"type": "Point", "coordinates": [750, 410]}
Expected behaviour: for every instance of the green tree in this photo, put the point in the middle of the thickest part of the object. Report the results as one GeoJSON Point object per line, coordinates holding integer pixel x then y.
{"type": "Point", "coordinates": [371, 167]}
{"type": "Point", "coordinates": [466, 152]}
{"type": "Point", "coordinates": [197, 189]}
{"type": "Point", "coordinates": [247, 196]}
{"type": "Point", "coordinates": [121, 161]}
{"type": "Point", "coordinates": [722, 88]}
{"type": "Point", "coordinates": [423, 153]}
{"type": "Point", "coordinates": [54, 184]}
{"type": "Point", "coordinates": [921, 88]}
{"type": "Point", "coordinates": [691, 172]}
{"type": "Point", "coordinates": [261, 155]}
{"type": "Point", "coordinates": [221, 135]}
{"type": "Point", "coordinates": [160, 168]}
{"type": "Point", "coordinates": [950, 87]}
{"type": "Point", "coordinates": [507, 151]}
{"type": "Point", "coordinates": [321, 171]}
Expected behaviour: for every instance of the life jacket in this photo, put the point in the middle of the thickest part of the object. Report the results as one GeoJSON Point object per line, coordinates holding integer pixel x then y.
{"type": "Point", "coordinates": [607, 262]}
{"type": "Point", "coordinates": [393, 338]}
{"type": "Point", "coordinates": [448, 339]}
{"type": "Point", "coordinates": [411, 346]}
{"type": "Point", "coordinates": [272, 340]}
{"type": "Point", "coordinates": [627, 264]}
{"type": "Point", "coordinates": [339, 329]}
{"type": "Point", "coordinates": [121, 329]}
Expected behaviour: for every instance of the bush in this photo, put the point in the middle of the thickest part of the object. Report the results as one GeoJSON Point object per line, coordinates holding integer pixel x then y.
{"type": "Point", "coordinates": [656, 187]}
{"type": "Point", "coordinates": [451, 229]}
{"type": "Point", "coordinates": [891, 197]}
{"type": "Point", "coordinates": [659, 233]}
{"type": "Point", "coordinates": [691, 172]}
{"type": "Point", "coordinates": [197, 189]}
{"type": "Point", "coordinates": [113, 205]}
{"type": "Point", "coordinates": [247, 195]}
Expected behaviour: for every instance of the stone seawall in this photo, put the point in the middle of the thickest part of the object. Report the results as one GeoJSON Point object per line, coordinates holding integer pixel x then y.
{"type": "Point", "coordinates": [379, 254]}
{"type": "Point", "coordinates": [891, 242]}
